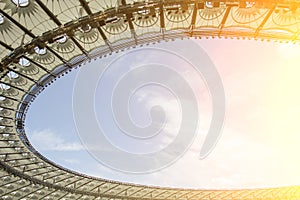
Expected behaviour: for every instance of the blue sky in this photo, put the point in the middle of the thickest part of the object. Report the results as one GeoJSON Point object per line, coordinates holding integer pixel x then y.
{"type": "Point", "coordinates": [259, 142]}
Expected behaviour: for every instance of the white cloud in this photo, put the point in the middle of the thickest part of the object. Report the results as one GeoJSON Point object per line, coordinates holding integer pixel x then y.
{"type": "Point", "coordinates": [255, 150]}
{"type": "Point", "coordinates": [72, 161]}
{"type": "Point", "coordinates": [48, 140]}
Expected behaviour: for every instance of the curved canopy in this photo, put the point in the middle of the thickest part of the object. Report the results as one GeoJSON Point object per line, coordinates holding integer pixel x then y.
{"type": "Point", "coordinates": [41, 40]}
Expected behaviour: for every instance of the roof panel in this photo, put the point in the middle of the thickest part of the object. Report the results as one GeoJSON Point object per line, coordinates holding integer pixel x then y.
{"type": "Point", "coordinates": [178, 17]}
{"type": "Point", "coordinates": [146, 21]}
{"type": "Point", "coordinates": [250, 17]}
{"type": "Point", "coordinates": [89, 39]}
{"type": "Point", "coordinates": [284, 19]}
{"type": "Point", "coordinates": [31, 16]}
{"type": "Point", "coordinates": [65, 10]}
{"type": "Point", "coordinates": [210, 17]}
{"type": "Point", "coordinates": [101, 5]}
{"type": "Point", "coordinates": [11, 35]}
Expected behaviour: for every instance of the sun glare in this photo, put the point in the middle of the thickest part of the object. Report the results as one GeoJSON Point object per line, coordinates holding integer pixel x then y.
{"type": "Point", "coordinates": [289, 50]}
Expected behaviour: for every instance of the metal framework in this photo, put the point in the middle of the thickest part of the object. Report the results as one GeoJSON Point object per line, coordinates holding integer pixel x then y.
{"type": "Point", "coordinates": [41, 40]}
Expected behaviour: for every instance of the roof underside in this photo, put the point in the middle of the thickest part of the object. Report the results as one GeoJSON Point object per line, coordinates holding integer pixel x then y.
{"type": "Point", "coordinates": [40, 40]}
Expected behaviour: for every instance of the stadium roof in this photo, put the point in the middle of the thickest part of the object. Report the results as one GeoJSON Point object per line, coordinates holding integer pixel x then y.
{"type": "Point", "coordinates": [41, 40]}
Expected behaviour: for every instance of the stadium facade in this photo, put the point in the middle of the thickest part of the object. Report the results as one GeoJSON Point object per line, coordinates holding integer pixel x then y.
{"type": "Point", "coordinates": [42, 40]}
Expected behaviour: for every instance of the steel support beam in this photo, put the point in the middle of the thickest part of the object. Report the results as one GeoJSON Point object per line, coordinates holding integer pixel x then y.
{"type": "Point", "coordinates": [264, 21]}
{"type": "Point", "coordinates": [17, 88]}
{"type": "Point", "coordinates": [20, 26]}
{"type": "Point", "coordinates": [26, 177]}
{"type": "Point", "coordinates": [6, 46]}
{"type": "Point", "coordinates": [224, 19]}
{"type": "Point", "coordinates": [24, 76]}
{"type": "Point", "coordinates": [86, 7]}
{"type": "Point", "coordinates": [194, 17]}
{"type": "Point", "coordinates": [40, 66]}
{"type": "Point", "coordinates": [162, 19]}
{"type": "Point", "coordinates": [48, 12]}
{"type": "Point", "coordinates": [54, 18]}
{"type": "Point", "coordinates": [128, 19]}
